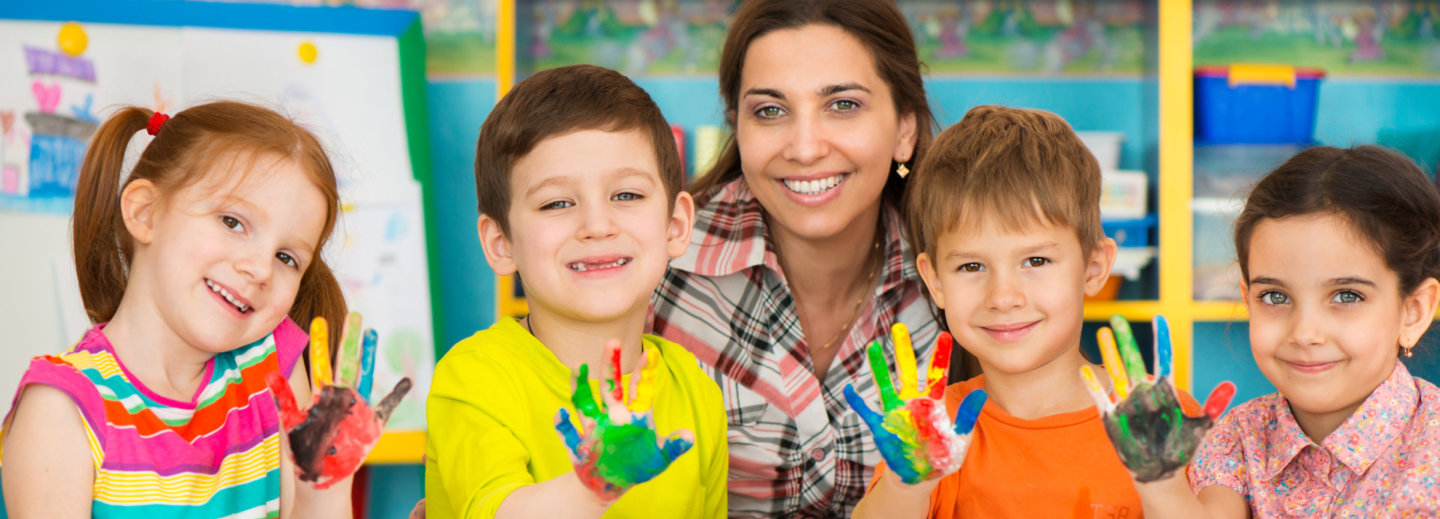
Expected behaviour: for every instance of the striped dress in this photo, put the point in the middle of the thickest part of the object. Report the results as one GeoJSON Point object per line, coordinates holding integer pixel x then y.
{"type": "Point", "coordinates": [155, 458]}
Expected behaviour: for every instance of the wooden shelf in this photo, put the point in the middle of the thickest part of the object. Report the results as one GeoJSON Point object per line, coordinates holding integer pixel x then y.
{"type": "Point", "coordinates": [398, 448]}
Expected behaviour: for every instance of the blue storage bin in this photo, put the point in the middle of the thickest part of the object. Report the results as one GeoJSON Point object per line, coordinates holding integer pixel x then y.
{"type": "Point", "coordinates": [1255, 104]}
{"type": "Point", "coordinates": [1131, 233]}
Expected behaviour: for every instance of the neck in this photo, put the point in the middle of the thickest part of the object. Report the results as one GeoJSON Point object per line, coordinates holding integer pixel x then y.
{"type": "Point", "coordinates": [151, 350]}
{"type": "Point", "coordinates": [829, 269]}
{"type": "Point", "coordinates": [575, 342]}
{"type": "Point", "coordinates": [1050, 389]}
{"type": "Point", "coordinates": [1319, 426]}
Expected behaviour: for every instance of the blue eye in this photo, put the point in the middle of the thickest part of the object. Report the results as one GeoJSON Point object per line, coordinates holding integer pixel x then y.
{"type": "Point", "coordinates": [1037, 262]}
{"type": "Point", "coordinates": [1347, 297]}
{"type": "Point", "coordinates": [232, 223]}
{"type": "Point", "coordinates": [971, 267]}
{"type": "Point", "coordinates": [1273, 297]}
{"type": "Point", "coordinates": [558, 204]}
{"type": "Point", "coordinates": [287, 259]}
{"type": "Point", "coordinates": [626, 196]}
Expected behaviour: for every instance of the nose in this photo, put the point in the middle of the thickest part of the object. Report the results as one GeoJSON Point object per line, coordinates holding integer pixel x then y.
{"type": "Point", "coordinates": [256, 266]}
{"type": "Point", "coordinates": [598, 222]}
{"type": "Point", "coordinates": [1307, 327]}
{"type": "Point", "coordinates": [1004, 292]}
{"type": "Point", "coordinates": [807, 140]}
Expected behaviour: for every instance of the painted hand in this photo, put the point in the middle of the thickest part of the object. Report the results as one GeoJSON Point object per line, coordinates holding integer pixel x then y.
{"type": "Point", "coordinates": [914, 433]}
{"type": "Point", "coordinates": [616, 448]}
{"type": "Point", "coordinates": [329, 440]}
{"type": "Point", "coordinates": [1147, 426]}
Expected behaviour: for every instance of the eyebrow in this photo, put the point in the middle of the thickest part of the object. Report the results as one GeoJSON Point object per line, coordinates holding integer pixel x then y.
{"type": "Point", "coordinates": [1024, 251]}
{"type": "Point", "coordinates": [616, 174]}
{"type": "Point", "coordinates": [1262, 280]}
{"type": "Point", "coordinates": [825, 91]}
{"type": "Point", "coordinates": [557, 180]}
{"type": "Point", "coordinates": [1352, 281]}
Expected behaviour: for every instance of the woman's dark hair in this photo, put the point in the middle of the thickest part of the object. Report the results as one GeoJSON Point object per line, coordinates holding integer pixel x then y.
{"type": "Point", "coordinates": [1383, 195]}
{"type": "Point", "coordinates": [879, 26]}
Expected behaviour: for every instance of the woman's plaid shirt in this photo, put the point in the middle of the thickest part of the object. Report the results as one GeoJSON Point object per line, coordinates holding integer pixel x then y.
{"type": "Point", "coordinates": [796, 447]}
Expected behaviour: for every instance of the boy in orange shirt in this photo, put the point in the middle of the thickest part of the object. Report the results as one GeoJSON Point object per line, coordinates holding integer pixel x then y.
{"type": "Point", "coordinates": [1004, 210]}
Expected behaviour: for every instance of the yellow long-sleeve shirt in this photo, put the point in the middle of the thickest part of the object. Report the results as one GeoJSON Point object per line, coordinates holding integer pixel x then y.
{"type": "Point", "coordinates": [491, 425]}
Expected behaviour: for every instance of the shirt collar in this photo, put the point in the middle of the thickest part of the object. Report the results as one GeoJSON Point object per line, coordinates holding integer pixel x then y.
{"type": "Point", "coordinates": [731, 236]}
{"type": "Point", "coordinates": [1361, 439]}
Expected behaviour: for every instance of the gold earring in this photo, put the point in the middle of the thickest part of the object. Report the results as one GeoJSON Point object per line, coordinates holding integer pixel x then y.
{"type": "Point", "coordinates": [902, 170]}
{"type": "Point", "coordinates": [1408, 352]}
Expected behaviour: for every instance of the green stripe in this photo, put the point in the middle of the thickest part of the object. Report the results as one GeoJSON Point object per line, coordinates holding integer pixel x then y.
{"type": "Point", "coordinates": [417, 131]}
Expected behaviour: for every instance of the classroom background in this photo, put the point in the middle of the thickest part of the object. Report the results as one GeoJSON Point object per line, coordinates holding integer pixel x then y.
{"type": "Point", "coordinates": [1185, 104]}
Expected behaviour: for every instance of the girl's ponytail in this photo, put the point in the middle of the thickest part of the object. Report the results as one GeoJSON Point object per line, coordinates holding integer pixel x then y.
{"type": "Point", "coordinates": [101, 243]}
{"type": "Point", "coordinates": [320, 296]}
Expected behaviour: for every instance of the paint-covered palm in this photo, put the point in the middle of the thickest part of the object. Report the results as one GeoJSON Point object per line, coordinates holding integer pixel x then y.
{"type": "Point", "coordinates": [616, 447]}
{"type": "Point", "coordinates": [1143, 417]}
{"type": "Point", "coordinates": [330, 438]}
{"type": "Point", "coordinates": [913, 432]}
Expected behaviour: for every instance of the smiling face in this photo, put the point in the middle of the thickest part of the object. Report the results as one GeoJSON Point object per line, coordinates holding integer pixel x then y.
{"type": "Point", "coordinates": [220, 262]}
{"type": "Point", "coordinates": [1015, 299]}
{"type": "Point", "coordinates": [591, 227]}
{"type": "Point", "coordinates": [1326, 313]}
{"type": "Point", "coordinates": [817, 130]}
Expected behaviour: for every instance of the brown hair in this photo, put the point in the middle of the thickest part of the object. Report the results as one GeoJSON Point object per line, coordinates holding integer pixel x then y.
{"type": "Point", "coordinates": [189, 147]}
{"type": "Point", "coordinates": [1016, 165]}
{"type": "Point", "coordinates": [559, 101]}
{"type": "Point", "coordinates": [1383, 195]}
{"type": "Point", "coordinates": [879, 26]}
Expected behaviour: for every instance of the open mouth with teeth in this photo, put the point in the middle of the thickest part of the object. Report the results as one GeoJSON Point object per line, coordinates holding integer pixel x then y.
{"type": "Point", "coordinates": [586, 266]}
{"type": "Point", "coordinates": [815, 187]}
{"type": "Point", "coordinates": [216, 288]}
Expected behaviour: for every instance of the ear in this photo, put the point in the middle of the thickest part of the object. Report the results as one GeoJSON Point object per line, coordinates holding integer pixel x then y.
{"type": "Point", "coordinates": [682, 221]}
{"type": "Point", "coordinates": [1418, 311]}
{"type": "Point", "coordinates": [497, 247]}
{"type": "Point", "coordinates": [905, 140]}
{"type": "Point", "coordinates": [1097, 270]}
{"type": "Point", "coordinates": [1245, 292]}
{"type": "Point", "coordinates": [139, 204]}
{"type": "Point", "coordinates": [931, 278]}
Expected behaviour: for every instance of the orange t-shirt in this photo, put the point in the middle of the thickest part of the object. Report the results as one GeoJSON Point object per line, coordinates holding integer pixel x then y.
{"type": "Point", "coordinates": [1059, 466]}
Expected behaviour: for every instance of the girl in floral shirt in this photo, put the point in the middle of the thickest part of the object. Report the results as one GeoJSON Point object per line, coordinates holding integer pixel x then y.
{"type": "Point", "coordinates": [1339, 259]}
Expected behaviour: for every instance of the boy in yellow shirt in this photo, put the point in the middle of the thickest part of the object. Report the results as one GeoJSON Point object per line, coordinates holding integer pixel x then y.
{"type": "Point", "coordinates": [579, 187]}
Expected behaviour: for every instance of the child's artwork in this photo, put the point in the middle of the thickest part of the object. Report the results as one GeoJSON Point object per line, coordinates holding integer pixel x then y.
{"type": "Point", "coordinates": [913, 431]}
{"type": "Point", "coordinates": [1144, 419]}
{"type": "Point", "coordinates": [1081, 37]}
{"type": "Point", "coordinates": [616, 447]}
{"type": "Point", "coordinates": [330, 437]}
{"type": "Point", "coordinates": [1343, 37]}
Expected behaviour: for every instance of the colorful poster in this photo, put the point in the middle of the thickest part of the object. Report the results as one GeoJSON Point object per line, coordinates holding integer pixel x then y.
{"type": "Point", "coordinates": [1345, 38]}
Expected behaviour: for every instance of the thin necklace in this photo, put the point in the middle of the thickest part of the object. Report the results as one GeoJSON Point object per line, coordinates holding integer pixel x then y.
{"type": "Point", "coordinates": [873, 262]}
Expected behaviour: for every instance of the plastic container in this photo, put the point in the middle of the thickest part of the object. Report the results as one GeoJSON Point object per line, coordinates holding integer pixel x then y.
{"type": "Point", "coordinates": [1131, 232]}
{"type": "Point", "coordinates": [1105, 146]}
{"type": "Point", "coordinates": [1216, 272]}
{"type": "Point", "coordinates": [1231, 170]}
{"type": "Point", "coordinates": [1123, 194]}
{"type": "Point", "coordinates": [1255, 103]}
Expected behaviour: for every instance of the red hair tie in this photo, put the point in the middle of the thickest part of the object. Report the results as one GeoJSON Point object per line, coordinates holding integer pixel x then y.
{"type": "Point", "coordinates": [156, 121]}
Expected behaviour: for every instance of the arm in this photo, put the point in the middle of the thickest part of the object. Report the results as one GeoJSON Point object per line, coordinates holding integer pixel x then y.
{"type": "Point", "coordinates": [49, 469]}
{"type": "Point", "coordinates": [891, 497]}
{"type": "Point", "coordinates": [541, 500]}
{"type": "Point", "coordinates": [1172, 498]}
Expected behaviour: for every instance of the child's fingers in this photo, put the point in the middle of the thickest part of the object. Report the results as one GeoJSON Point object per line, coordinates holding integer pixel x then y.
{"type": "Point", "coordinates": [319, 354]}
{"type": "Point", "coordinates": [905, 361]}
{"type": "Point", "coordinates": [881, 371]}
{"type": "Point", "coordinates": [583, 398]}
{"type": "Point", "coordinates": [617, 390]}
{"type": "Point", "coordinates": [874, 420]}
{"type": "Point", "coordinates": [1111, 356]}
{"type": "Point", "coordinates": [290, 414]}
{"type": "Point", "coordinates": [1097, 393]}
{"type": "Point", "coordinates": [1129, 350]}
{"type": "Point", "coordinates": [347, 361]}
{"type": "Point", "coordinates": [1163, 360]}
{"type": "Point", "coordinates": [939, 366]}
{"type": "Point", "coordinates": [677, 444]}
{"type": "Point", "coordinates": [1219, 399]}
{"type": "Point", "coordinates": [644, 391]}
{"type": "Point", "coordinates": [567, 431]}
{"type": "Point", "coordinates": [367, 364]}
{"type": "Point", "coordinates": [969, 411]}
{"type": "Point", "coordinates": [387, 404]}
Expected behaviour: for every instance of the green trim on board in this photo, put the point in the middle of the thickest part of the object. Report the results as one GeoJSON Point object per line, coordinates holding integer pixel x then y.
{"type": "Point", "coordinates": [417, 126]}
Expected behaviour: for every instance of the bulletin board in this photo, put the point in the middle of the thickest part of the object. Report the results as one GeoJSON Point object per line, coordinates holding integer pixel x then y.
{"type": "Point", "coordinates": [354, 77]}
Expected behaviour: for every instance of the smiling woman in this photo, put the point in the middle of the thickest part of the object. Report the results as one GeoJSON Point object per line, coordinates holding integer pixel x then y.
{"type": "Point", "coordinates": [798, 261]}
